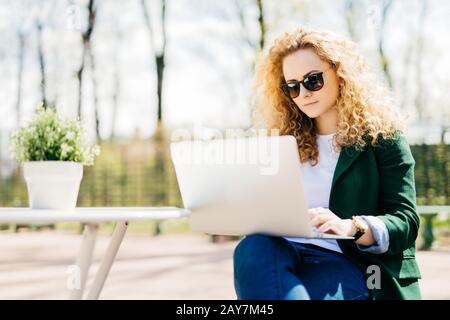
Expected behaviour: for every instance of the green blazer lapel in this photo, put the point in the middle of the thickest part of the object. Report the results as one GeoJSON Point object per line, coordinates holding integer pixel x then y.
{"type": "Point", "coordinates": [347, 156]}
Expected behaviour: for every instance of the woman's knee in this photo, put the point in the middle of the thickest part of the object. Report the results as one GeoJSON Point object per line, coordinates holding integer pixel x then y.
{"type": "Point", "coordinates": [255, 249]}
{"type": "Point", "coordinates": [253, 243]}
{"type": "Point", "coordinates": [253, 257]}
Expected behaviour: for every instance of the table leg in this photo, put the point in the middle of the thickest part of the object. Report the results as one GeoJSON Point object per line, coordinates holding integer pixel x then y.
{"type": "Point", "coordinates": [84, 258]}
{"type": "Point", "coordinates": [107, 261]}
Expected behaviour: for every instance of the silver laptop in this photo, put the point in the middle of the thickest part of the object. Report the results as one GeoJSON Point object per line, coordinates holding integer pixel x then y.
{"type": "Point", "coordinates": [242, 186]}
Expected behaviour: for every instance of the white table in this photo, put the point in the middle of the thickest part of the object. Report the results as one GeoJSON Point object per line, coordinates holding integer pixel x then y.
{"type": "Point", "coordinates": [92, 216]}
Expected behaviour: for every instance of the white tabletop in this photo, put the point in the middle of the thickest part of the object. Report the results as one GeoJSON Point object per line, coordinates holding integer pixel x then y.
{"type": "Point", "coordinates": [91, 214]}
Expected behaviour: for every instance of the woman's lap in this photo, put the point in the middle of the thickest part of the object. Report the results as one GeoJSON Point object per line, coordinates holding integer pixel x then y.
{"type": "Point", "coordinates": [267, 267]}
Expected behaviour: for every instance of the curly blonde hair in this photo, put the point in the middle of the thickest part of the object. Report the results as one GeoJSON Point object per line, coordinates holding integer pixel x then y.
{"type": "Point", "coordinates": [365, 107]}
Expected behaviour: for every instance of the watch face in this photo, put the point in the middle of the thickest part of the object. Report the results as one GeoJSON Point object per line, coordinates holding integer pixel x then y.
{"type": "Point", "coordinates": [360, 224]}
{"type": "Point", "coordinates": [363, 224]}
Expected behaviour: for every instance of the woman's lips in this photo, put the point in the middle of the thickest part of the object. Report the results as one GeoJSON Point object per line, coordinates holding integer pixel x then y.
{"type": "Point", "coordinates": [311, 103]}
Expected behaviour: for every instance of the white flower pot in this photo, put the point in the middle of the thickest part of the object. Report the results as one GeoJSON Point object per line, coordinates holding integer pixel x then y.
{"type": "Point", "coordinates": [53, 184]}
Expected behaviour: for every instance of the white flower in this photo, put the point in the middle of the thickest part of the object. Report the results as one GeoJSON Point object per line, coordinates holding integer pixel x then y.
{"type": "Point", "coordinates": [65, 149]}
{"type": "Point", "coordinates": [70, 135]}
{"type": "Point", "coordinates": [96, 150]}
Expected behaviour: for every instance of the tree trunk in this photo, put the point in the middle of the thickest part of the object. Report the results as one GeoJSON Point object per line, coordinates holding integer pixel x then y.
{"type": "Point", "coordinates": [159, 55]}
{"type": "Point", "coordinates": [159, 59]}
{"type": "Point", "coordinates": [256, 46]}
{"type": "Point", "coordinates": [80, 81]}
{"type": "Point", "coordinates": [261, 25]}
{"type": "Point", "coordinates": [160, 74]}
{"type": "Point", "coordinates": [115, 99]}
{"type": "Point", "coordinates": [386, 5]}
{"type": "Point", "coordinates": [116, 88]}
{"type": "Point", "coordinates": [94, 91]}
{"type": "Point", "coordinates": [421, 83]}
{"type": "Point", "coordinates": [86, 40]}
{"type": "Point", "coordinates": [350, 16]}
{"type": "Point", "coordinates": [41, 64]}
{"type": "Point", "coordinates": [20, 57]}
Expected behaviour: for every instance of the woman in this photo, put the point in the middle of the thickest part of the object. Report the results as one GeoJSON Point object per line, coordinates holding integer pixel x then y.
{"type": "Point", "coordinates": [358, 175]}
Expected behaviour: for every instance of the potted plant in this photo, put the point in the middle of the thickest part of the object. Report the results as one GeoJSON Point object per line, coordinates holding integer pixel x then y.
{"type": "Point", "coordinates": [53, 152]}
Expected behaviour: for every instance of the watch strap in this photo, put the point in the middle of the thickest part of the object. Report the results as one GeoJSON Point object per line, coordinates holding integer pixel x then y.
{"type": "Point", "coordinates": [358, 235]}
{"type": "Point", "coordinates": [359, 229]}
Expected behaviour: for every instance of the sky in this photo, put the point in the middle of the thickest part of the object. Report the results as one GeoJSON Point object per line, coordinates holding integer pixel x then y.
{"type": "Point", "coordinates": [208, 65]}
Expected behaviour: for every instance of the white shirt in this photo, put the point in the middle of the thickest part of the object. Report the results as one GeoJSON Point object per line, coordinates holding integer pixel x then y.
{"type": "Point", "coordinates": [317, 185]}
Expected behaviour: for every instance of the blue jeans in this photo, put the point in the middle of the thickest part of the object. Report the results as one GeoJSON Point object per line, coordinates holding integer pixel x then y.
{"type": "Point", "coordinates": [267, 267]}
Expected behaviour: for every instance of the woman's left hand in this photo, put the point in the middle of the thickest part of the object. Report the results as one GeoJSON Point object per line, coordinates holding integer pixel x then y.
{"type": "Point", "coordinates": [327, 222]}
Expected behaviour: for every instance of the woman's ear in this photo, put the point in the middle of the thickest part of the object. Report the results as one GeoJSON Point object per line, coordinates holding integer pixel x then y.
{"type": "Point", "coordinates": [340, 85]}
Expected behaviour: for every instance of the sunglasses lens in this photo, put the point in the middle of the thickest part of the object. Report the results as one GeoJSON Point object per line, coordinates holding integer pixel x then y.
{"type": "Point", "coordinates": [313, 82]}
{"type": "Point", "coordinates": [291, 90]}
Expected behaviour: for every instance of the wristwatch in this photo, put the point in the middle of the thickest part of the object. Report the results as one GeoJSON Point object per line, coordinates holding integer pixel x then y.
{"type": "Point", "coordinates": [360, 226]}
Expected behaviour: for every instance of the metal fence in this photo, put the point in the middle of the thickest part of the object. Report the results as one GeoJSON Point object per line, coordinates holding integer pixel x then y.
{"type": "Point", "coordinates": [141, 173]}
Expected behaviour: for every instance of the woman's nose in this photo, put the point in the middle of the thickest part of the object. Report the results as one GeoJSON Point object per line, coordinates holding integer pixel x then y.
{"type": "Point", "coordinates": [304, 93]}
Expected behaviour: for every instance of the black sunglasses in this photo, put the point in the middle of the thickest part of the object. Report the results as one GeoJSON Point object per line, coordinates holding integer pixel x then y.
{"type": "Point", "coordinates": [313, 82]}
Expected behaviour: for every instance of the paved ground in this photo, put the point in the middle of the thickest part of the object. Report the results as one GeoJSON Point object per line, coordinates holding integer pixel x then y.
{"type": "Point", "coordinates": [188, 266]}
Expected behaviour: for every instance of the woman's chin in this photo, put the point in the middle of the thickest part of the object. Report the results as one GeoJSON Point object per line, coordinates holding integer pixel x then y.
{"type": "Point", "coordinates": [312, 114]}
{"type": "Point", "coordinates": [312, 111]}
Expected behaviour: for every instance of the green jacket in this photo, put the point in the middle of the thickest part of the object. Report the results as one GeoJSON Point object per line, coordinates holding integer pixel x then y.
{"type": "Point", "coordinates": [379, 181]}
